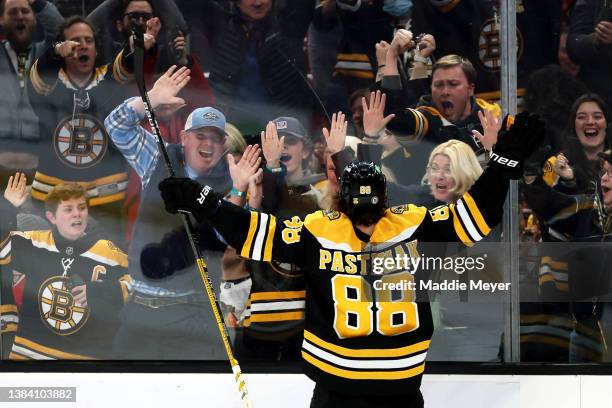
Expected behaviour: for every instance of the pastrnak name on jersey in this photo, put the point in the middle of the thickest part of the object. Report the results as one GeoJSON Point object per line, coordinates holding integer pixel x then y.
{"type": "Point", "coordinates": [372, 262]}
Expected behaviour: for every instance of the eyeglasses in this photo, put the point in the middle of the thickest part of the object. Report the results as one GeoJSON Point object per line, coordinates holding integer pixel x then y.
{"type": "Point", "coordinates": [606, 172]}
{"type": "Point", "coordinates": [139, 15]}
{"type": "Point", "coordinates": [435, 170]}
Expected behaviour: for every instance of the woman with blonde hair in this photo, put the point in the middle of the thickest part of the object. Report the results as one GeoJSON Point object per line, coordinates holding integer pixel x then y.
{"type": "Point", "coordinates": [451, 170]}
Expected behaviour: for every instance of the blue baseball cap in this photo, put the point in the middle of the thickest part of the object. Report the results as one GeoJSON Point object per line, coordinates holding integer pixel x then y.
{"type": "Point", "coordinates": [205, 117]}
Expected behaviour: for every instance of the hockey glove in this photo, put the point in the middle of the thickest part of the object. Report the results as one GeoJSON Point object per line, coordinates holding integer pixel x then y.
{"type": "Point", "coordinates": [515, 145]}
{"type": "Point", "coordinates": [183, 194]}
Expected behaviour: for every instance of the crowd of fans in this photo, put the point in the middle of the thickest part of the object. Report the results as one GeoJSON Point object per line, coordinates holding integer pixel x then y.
{"type": "Point", "coordinates": [267, 101]}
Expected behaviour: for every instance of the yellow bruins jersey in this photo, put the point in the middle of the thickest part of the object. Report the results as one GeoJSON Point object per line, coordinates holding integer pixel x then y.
{"type": "Point", "coordinates": [50, 324]}
{"type": "Point", "coordinates": [360, 338]}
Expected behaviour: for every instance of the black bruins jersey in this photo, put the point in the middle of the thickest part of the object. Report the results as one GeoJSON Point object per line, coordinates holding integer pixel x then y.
{"type": "Point", "coordinates": [49, 324]}
{"type": "Point", "coordinates": [76, 144]}
{"type": "Point", "coordinates": [359, 339]}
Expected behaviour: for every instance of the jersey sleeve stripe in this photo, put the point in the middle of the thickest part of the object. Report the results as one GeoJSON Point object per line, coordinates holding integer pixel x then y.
{"type": "Point", "coordinates": [29, 348]}
{"type": "Point", "coordinates": [8, 309]}
{"type": "Point", "coordinates": [5, 253]}
{"type": "Point", "coordinates": [276, 317]}
{"type": "Point", "coordinates": [246, 248]}
{"type": "Point", "coordinates": [267, 256]}
{"type": "Point", "coordinates": [459, 228]}
{"type": "Point", "coordinates": [389, 352]}
{"type": "Point", "coordinates": [467, 221]}
{"type": "Point", "coordinates": [297, 294]}
{"type": "Point", "coordinates": [363, 375]}
{"type": "Point", "coordinates": [365, 364]}
{"type": "Point", "coordinates": [281, 305]}
{"type": "Point", "coordinates": [260, 237]}
{"type": "Point", "coordinates": [476, 214]}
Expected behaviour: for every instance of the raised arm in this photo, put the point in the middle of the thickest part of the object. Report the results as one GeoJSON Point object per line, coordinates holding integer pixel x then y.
{"type": "Point", "coordinates": [255, 235]}
{"type": "Point", "coordinates": [137, 145]}
{"type": "Point", "coordinates": [48, 16]}
{"type": "Point", "coordinates": [473, 215]}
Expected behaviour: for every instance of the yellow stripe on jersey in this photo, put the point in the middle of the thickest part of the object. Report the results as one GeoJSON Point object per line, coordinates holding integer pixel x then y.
{"type": "Point", "coordinates": [459, 228]}
{"type": "Point", "coordinates": [8, 309]}
{"type": "Point", "coordinates": [448, 6]}
{"type": "Point", "coordinates": [120, 73]}
{"type": "Point", "coordinates": [390, 352]}
{"type": "Point", "coordinates": [355, 73]}
{"type": "Point", "coordinates": [38, 84]}
{"type": "Point", "coordinates": [267, 256]}
{"type": "Point", "coordinates": [363, 375]}
{"type": "Point", "coordinates": [353, 57]}
{"type": "Point", "coordinates": [333, 232]}
{"type": "Point", "coordinates": [296, 294]}
{"type": "Point", "coordinates": [554, 264]}
{"type": "Point", "coordinates": [475, 213]}
{"type": "Point", "coordinates": [105, 251]}
{"type": "Point", "coordinates": [25, 345]}
{"type": "Point", "coordinates": [9, 328]}
{"type": "Point", "coordinates": [394, 227]}
{"type": "Point", "coordinates": [248, 243]}
{"type": "Point", "coordinates": [542, 339]}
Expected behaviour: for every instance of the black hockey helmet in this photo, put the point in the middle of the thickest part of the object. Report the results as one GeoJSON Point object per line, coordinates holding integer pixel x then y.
{"type": "Point", "coordinates": [363, 192]}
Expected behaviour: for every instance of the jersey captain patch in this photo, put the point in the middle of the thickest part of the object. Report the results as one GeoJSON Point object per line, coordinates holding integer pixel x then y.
{"type": "Point", "coordinates": [80, 141]}
{"type": "Point", "coordinates": [58, 310]}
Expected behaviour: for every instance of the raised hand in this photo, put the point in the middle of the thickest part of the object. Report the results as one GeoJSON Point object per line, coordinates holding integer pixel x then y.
{"type": "Point", "coordinates": [381, 52]}
{"type": "Point", "coordinates": [16, 192]}
{"type": "Point", "coordinates": [426, 45]}
{"type": "Point", "coordinates": [336, 136]}
{"type": "Point", "coordinates": [256, 189]}
{"type": "Point", "coordinates": [402, 42]}
{"type": "Point", "coordinates": [180, 47]}
{"type": "Point", "coordinates": [491, 126]}
{"type": "Point", "coordinates": [374, 119]}
{"type": "Point", "coordinates": [150, 35]}
{"type": "Point", "coordinates": [272, 145]}
{"type": "Point", "coordinates": [515, 146]}
{"type": "Point", "coordinates": [168, 85]}
{"type": "Point", "coordinates": [563, 168]}
{"type": "Point", "coordinates": [66, 49]}
{"type": "Point", "coordinates": [247, 166]}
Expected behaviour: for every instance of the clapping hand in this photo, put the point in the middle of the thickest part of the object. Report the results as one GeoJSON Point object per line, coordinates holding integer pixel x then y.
{"type": "Point", "coordinates": [247, 166]}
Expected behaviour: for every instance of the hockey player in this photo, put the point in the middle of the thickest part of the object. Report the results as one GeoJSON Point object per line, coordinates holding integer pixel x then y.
{"type": "Point", "coordinates": [363, 345]}
{"type": "Point", "coordinates": [75, 284]}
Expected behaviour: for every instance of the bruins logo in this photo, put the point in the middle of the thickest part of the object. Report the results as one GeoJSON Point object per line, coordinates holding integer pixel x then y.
{"type": "Point", "coordinates": [489, 45]}
{"type": "Point", "coordinates": [58, 310]}
{"type": "Point", "coordinates": [399, 209]}
{"type": "Point", "coordinates": [80, 142]}
{"type": "Point", "coordinates": [331, 214]}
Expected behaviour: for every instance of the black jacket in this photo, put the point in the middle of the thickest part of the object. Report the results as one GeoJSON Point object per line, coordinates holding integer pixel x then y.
{"type": "Point", "coordinates": [594, 59]}
{"type": "Point", "coordinates": [278, 49]}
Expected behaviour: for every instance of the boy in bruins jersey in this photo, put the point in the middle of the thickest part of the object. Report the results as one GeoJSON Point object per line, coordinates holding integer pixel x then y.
{"type": "Point", "coordinates": [363, 345]}
{"type": "Point", "coordinates": [75, 283]}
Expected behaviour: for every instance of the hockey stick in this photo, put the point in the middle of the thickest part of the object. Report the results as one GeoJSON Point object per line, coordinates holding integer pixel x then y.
{"type": "Point", "coordinates": [139, 77]}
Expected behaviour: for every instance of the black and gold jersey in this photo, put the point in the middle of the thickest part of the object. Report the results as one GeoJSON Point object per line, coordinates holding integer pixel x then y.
{"type": "Point", "coordinates": [76, 143]}
{"type": "Point", "coordinates": [360, 338]}
{"type": "Point", "coordinates": [50, 324]}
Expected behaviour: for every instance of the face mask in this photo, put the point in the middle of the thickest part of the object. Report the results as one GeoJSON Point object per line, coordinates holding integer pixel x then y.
{"type": "Point", "coordinates": [397, 8]}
